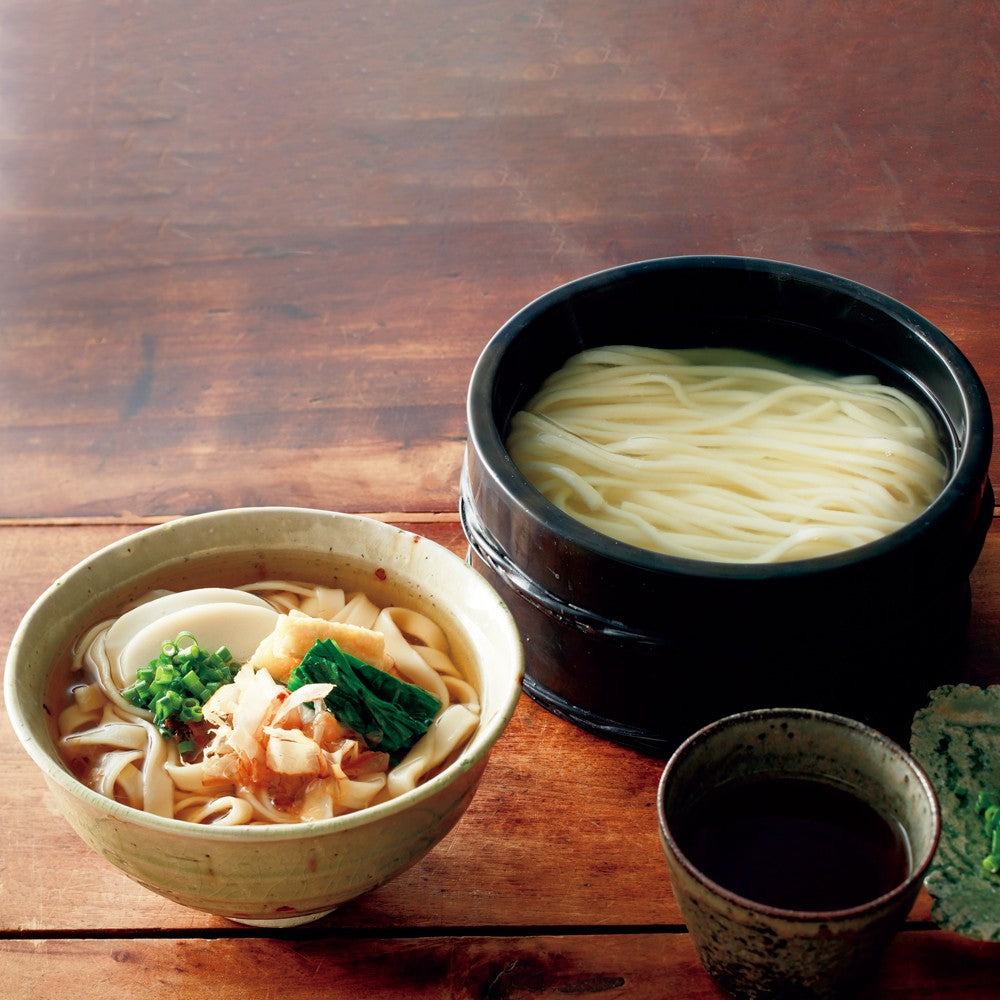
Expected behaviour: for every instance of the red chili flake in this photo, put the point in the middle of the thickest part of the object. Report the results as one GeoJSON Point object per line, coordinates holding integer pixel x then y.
{"type": "Point", "coordinates": [380, 573]}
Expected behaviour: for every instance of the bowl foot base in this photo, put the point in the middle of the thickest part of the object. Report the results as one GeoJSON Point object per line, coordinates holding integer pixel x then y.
{"type": "Point", "coordinates": [278, 922]}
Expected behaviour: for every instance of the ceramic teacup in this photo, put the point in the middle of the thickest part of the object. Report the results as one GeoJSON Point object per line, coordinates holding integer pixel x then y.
{"type": "Point", "coordinates": [766, 946]}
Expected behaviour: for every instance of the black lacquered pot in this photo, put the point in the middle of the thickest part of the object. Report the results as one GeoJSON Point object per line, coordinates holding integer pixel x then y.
{"type": "Point", "coordinates": [645, 648]}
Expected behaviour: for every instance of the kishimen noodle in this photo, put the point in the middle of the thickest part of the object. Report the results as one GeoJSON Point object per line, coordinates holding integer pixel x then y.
{"type": "Point", "coordinates": [260, 743]}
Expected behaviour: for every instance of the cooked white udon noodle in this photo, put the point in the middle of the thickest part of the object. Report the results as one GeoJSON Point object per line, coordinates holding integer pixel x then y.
{"type": "Point", "coordinates": [114, 747]}
{"type": "Point", "coordinates": [726, 456]}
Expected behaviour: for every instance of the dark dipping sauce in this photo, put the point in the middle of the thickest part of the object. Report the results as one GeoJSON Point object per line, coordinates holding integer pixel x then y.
{"type": "Point", "coordinates": [794, 843]}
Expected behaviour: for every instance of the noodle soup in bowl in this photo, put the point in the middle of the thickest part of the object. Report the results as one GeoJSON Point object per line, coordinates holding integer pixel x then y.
{"type": "Point", "coordinates": [268, 857]}
{"type": "Point", "coordinates": [653, 602]}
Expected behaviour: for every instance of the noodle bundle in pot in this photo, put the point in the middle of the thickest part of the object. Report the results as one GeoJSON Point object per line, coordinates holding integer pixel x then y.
{"type": "Point", "coordinates": [726, 456]}
{"type": "Point", "coordinates": [705, 485]}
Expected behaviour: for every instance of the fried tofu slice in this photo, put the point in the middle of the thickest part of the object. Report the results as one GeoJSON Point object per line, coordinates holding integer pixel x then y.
{"type": "Point", "coordinates": [294, 635]}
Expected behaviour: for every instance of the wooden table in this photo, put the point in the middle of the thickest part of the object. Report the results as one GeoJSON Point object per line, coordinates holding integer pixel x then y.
{"type": "Point", "coordinates": [251, 252]}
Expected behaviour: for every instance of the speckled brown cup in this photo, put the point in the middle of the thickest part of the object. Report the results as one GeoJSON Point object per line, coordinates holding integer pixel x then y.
{"type": "Point", "coordinates": [757, 951]}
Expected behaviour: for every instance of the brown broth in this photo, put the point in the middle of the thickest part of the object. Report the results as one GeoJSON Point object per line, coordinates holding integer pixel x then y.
{"type": "Point", "coordinates": [794, 843]}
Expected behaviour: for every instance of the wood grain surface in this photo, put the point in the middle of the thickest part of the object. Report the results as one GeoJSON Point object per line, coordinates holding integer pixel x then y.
{"type": "Point", "coordinates": [639, 966]}
{"type": "Point", "coordinates": [251, 253]}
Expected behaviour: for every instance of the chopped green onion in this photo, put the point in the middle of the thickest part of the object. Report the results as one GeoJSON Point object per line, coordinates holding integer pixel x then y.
{"type": "Point", "coordinates": [168, 703]}
{"type": "Point", "coordinates": [176, 685]}
{"type": "Point", "coordinates": [194, 684]}
{"type": "Point", "coordinates": [190, 710]}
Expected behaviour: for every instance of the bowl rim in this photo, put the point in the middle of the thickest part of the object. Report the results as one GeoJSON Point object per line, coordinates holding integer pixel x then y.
{"type": "Point", "coordinates": [970, 469]}
{"type": "Point", "coordinates": [474, 753]}
{"type": "Point", "coordinates": [918, 866]}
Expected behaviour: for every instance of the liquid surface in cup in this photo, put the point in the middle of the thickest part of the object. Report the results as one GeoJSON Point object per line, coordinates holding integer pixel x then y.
{"type": "Point", "coordinates": [794, 843]}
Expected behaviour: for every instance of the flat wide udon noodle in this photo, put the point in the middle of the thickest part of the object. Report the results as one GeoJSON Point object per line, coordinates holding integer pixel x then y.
{"type": "Point", "coordinates": [726, 456]}
{"type": "Point", "coordinates": [129, 760]}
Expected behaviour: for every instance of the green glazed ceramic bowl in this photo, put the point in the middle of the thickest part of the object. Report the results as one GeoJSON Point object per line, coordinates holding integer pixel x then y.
{"type": "Point", "coordinates": [287, 874]}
